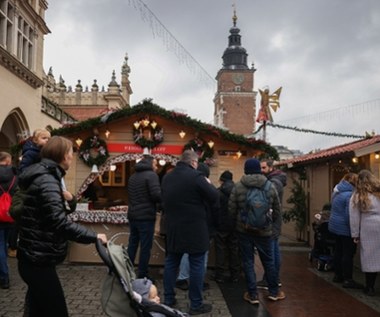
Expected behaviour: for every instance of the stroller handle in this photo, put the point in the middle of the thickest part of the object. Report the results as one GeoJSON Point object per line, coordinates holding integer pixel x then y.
{"type": "Point", "coordinates": [103, 253]}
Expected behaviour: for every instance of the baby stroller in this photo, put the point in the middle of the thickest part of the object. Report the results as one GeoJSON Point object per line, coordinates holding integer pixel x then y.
{"type": "Point", "coordinates": [324, 242]}
{"type": "Point", "coordinates": [118, 299]}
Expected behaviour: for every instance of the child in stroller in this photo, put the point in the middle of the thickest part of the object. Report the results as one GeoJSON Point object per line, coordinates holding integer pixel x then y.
{"type": "Point", "coordinates": [324, 241]}
{"type": "Point", "coordinates": [125, 296]}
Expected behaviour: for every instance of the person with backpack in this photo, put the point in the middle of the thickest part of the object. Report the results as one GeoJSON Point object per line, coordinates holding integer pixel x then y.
{"type": "Point", "coordinates": [8, 184]}
{"type": "Point", "coordinates": [254, 206]}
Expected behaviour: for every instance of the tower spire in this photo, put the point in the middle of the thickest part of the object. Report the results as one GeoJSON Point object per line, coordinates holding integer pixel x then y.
{"type": "Point", "coordinates": [234, 17]}
{"type": "Point", "coordinates": [235, 55]}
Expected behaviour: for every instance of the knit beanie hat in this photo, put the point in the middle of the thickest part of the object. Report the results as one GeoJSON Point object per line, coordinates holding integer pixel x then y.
{"type": "Point", "coordinates": [204, 169]}
{"type": "Point", "coordinates": [252, 166]}
{"type": "Point", "coordinates": [142, 286]}
{"type": "Point", "coordinates": [226, 175]}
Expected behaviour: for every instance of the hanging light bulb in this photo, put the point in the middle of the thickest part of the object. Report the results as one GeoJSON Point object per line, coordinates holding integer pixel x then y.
{"type": "Point", "coordinates": [113, 168]}
{"type": "Point", "coordinates": [136, 124]}
{"type": "Point", "coordinates": [145, 122]}
{"type": "Point", "coordinates": [162, 162]}
{"type": "Point", "coordinates": [238, 154]}
{"type": "Point", "coordinates": [211, 144]}
{"type": "Point", "coordinates": [79, 141]}
{"type": "Point", "coordinates": [377, 155]}
{"type": "Point", "coordinates": [182, 134]}
{"type": "Point", "coordinates": [94, 169]}
{"type": "Point", "coordinates": [107, 133]}
{"type": "Point", "coordinates": [153, 124]}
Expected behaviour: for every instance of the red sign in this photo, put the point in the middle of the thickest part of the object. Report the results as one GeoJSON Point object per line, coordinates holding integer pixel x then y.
{"type": "Point", "coordinates": [133, 148]}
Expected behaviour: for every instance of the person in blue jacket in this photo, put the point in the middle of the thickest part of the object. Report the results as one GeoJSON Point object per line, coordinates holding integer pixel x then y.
{"type": "Point", "coordinates": [339, 226]}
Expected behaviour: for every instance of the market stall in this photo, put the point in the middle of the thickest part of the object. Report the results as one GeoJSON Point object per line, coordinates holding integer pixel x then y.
{"type": "Point", "coordinates": [114, 223]}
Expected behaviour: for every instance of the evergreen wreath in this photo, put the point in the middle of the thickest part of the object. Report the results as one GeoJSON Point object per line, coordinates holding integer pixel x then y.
{"type": "Point", "coordinates": [205, 153]}
{"type": "Point", "coordinates": [156, 135]}
{"type": "Point", "coordinates": [93, 150]}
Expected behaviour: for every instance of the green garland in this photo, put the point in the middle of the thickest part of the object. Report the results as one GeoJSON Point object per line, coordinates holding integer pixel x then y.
{"type": "Point", "coordinates": [156, 135]}
{"type": "Point", "coordinates": [355, 136]}
{"type": "Point", "coordinates": [203, 150]}
{"type": "Point", "coordinates": [93, 151]}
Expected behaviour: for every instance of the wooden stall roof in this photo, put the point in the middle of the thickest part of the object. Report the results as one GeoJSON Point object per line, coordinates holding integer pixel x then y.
{"type": "Point", "coordinates": [147, 107]}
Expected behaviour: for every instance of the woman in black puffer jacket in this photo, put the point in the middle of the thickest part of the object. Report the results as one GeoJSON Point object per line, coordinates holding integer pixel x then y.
{"type": "Point", "coordinates": [45, 230]}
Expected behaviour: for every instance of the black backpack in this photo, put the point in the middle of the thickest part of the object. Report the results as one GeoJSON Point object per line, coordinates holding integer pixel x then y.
{"type": "Point", "coordinates": [257, 213]}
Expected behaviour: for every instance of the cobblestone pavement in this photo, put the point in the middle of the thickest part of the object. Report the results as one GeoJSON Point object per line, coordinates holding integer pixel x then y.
{"type": "Point", "coordinates": [82, 286]}
{"type": "Point", "coordinates": [309, 292]}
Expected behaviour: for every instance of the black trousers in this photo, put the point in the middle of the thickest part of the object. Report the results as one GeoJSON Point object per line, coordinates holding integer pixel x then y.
{"type": "Point", "coordinates": [44, 297]}
{"type": "Point", "coordinates": [370, 279]}
{"type": "Point", "coordinates": [345, 249]}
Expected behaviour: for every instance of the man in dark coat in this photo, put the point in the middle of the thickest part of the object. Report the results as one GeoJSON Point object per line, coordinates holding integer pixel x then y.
{"type": "Point", "coordinates": [278, 178]}
{"type": "Point", "coordinates": [144, 193]}
{"type": "Point", "coordinates": [185, 194]}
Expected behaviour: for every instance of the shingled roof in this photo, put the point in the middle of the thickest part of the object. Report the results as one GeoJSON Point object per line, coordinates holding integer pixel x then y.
{"type": "Point", "coordinates": [344, 150]}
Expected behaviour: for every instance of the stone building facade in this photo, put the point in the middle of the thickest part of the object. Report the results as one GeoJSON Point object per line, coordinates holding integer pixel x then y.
{"type": "Point", "coordinates": [29, 97]}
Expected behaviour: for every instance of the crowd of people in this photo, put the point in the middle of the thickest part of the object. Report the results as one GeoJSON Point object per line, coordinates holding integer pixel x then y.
{"type": "Point", "coordinates": [191, 204]}
{"type": "Point", "coordinates": [243, 218]}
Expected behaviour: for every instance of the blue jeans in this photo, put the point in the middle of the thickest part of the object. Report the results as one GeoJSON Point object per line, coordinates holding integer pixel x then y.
{"type": "Point", "coordinates": [141, 232]}
{"type": "Point", "coordinates": [263, 245]}
{"type": "Point", "coordinates": [184, 267]}
{"type": "Point", "coordinates": [4, 273]}
{"type": "Point", "coordinates": [276, 259]}
{"type": "Point", "coordinates": [197, 270]}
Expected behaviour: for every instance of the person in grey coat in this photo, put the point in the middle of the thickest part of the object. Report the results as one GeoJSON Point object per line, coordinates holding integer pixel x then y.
{"type": "Point", "coordinates": [144, 193]}
{"type": "Point", "coordinates": [365, 224]}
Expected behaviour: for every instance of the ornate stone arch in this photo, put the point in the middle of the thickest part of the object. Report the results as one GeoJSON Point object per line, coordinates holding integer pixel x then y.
{"type": "Point", "coordinates": [14, 129]}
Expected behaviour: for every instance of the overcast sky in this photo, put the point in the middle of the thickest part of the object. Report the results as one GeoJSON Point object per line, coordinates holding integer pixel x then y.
{"type": "Point", "coordinates": [325, 54]}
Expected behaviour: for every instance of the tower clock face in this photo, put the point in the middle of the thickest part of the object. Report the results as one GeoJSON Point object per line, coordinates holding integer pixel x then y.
{"type": "Point", "coordinates": [238, 78]}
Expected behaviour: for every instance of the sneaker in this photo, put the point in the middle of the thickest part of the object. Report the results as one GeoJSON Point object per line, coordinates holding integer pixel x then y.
{"type": "Point", "coordinates": [262, 284]}
{"type": "Point", "coordinates": [12, 253]}
{"type": "Point", "coordinates": [352, 284]}
{"type": "Point", "coordinates": [252, 299]}
{"type": "Point", "coordinates": [280, 295]}
{"type": "Point", "coordinates": [203, 309]}
{"type": "Point", "coordinates": [182, 284]}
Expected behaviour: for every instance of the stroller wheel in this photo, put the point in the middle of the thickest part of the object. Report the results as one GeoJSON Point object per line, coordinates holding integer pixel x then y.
{"type": "Point", "coordinates": [328, 267]}
{"type": "Point", "coordinates": [320, 265]}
